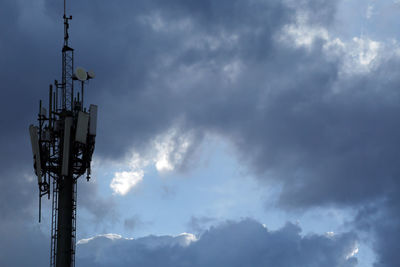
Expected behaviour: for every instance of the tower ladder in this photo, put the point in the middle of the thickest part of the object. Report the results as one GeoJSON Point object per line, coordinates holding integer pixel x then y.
{"type": "Point", "coordinates": [54, 216]}
{"type": "Point", "coordinates": [73, 243]}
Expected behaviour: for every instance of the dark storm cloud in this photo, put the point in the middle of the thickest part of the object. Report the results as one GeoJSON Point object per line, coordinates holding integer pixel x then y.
{"type": "Point", "coordinates": [337, 147]}
{"type": "Point", "coordinates": [245, 243]}
{"type": "Point", "coordinates": [23, 245]}
{"type": "Point", "coordinates": [382, 220]}
{"type": "Point", "coordinates": [128, 56]}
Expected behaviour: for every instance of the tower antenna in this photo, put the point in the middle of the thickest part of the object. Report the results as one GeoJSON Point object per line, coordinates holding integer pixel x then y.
{"type": "Point", "coordinates": [62, 144]}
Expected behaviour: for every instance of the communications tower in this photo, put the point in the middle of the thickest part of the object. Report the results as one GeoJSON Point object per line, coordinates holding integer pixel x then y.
{"type": "Point", "coordinates": [62, 145]}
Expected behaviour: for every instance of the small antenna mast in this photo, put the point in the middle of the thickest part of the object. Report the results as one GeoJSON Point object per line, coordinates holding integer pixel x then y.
{"type": "Point", "coordinates": [66, 24]}
{"type": "Point", "coordinates": [67, 86]}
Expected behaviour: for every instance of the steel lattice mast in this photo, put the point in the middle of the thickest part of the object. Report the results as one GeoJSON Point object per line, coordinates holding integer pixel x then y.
{"type": "Point", "coordinates": [62, 146]}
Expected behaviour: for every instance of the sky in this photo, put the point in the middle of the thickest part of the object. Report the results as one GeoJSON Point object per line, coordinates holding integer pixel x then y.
{"type": "Point", "coordinates": [230, 132]}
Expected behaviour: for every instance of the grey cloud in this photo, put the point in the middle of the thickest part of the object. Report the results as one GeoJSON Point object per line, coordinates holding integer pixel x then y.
{"type": "Point", "coordinates": [380, 219]}
{"type": "Point", "coordinates": [101, 208]}
{"type": "Point", "coordinates": [245, 243]}
{"type": "Point", "coordinates": [23, 245]}
{"type": "Point", "coordinates": [320, 12]}
{"type": "Point", "coordinates": [199, 224]}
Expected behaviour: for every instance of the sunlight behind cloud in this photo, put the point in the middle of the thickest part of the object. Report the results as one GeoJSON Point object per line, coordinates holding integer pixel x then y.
{"type": "Point", "coordinates": [359, 53]}
{"type": "Point", "coordinates": [367, 50]}
{"type": "Point", "coordinates": [166, 153]}
{"type": "Point", "coordinates": [123, 182]}
{"type": "Point", "coordinates": [171, 149]}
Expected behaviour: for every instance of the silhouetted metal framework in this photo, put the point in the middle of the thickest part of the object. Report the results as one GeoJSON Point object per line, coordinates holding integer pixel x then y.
{"type": "Point", "coordinates": [62, 146]}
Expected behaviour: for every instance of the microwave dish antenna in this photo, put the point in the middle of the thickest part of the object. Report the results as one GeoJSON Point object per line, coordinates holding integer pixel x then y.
{"type": "Point", "coordinates": [81, 74]}
{"type": "Point", "coordinates": [90, 74]}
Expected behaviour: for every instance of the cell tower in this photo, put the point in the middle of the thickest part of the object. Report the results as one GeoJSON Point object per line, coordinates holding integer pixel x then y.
{"type": "Point", "coordinates": [62, 146]}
